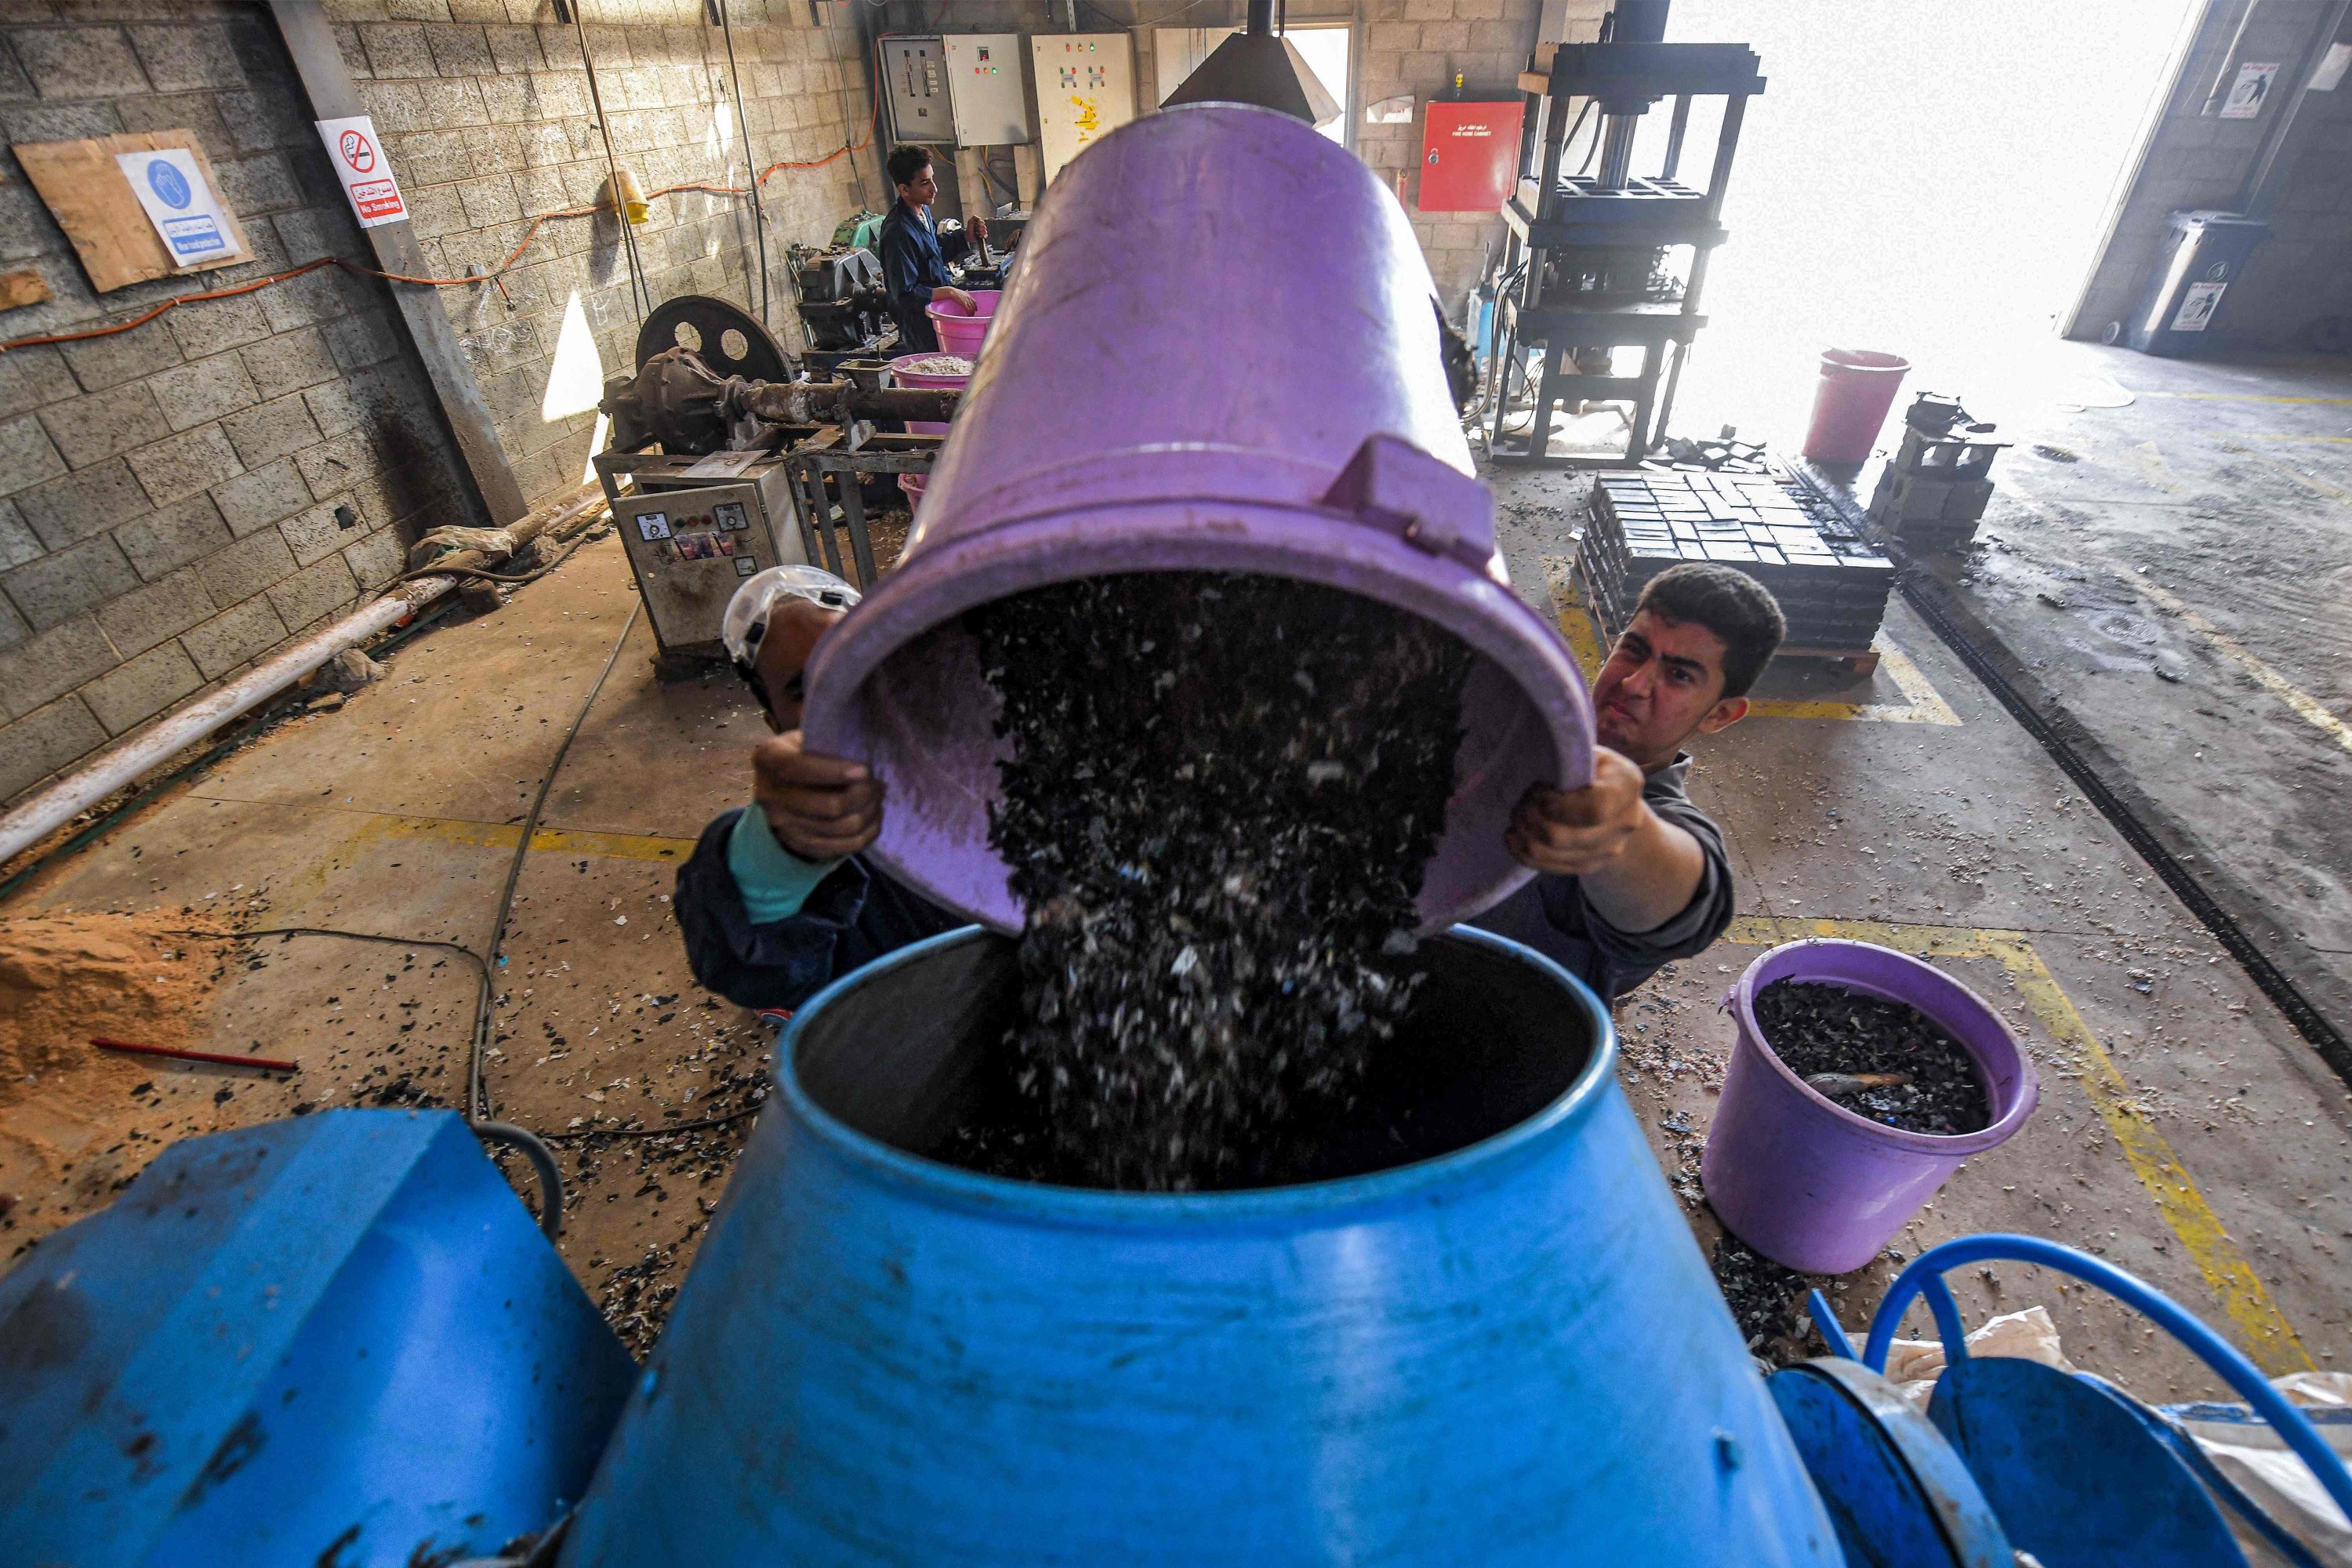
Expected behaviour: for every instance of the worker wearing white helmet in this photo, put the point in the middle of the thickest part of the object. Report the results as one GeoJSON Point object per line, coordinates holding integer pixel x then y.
{"type": "Point", "coordinates": [776, 899]}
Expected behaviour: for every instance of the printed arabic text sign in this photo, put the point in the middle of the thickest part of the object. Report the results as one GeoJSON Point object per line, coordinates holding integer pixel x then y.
{"type": "Point", "coordinates": [179, 201]}
{"type": "Point", "coordinates": [366, 177]}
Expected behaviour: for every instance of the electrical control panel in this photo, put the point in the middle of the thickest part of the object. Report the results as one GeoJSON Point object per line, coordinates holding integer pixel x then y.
{"type": "Point", "coordinates": [691, 540]}
{"type": "Point", "coordinates": [915, 83]}
{"type": "Point", "coordinates": [1086, 90]}
{"type": "Point", "coordinates": [991, 107]}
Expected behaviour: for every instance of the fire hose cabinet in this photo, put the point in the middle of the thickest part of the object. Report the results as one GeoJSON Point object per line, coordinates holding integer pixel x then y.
{"type": "Point", "coordinates": [1468, 155]}
{"type": "Point", "coordinates": [2203, 254]}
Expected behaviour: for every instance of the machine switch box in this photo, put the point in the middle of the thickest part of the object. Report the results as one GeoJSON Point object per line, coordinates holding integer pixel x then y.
{"type": "Point", "coordinates": [983, 73]}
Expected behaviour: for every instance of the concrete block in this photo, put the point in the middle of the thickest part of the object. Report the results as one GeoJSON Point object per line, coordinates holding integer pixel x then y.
{"type": "Point", "coordinates": [213, 325]}
{"type": "Point", "coordinates": [66, 582]}
{"type": "Point", "coordinates": [19, 542]}
{"type": "Point", "coordinates": [289, 361]}
{"type": "Point", "coordinates": [14, 627]}
{"type": "Point", "coordinates": [80, 62]}
{"type": "Point", "coordinates": [1446, 36]}
{"type": "Point", "coordinates": [305, 301]}
{"type": "Point", "coordinates": [67, 511]}
{"type": "Point", "coordinates": [145, 617]}
{"type": "Point", "coordinates": [271, 430]}
{"type": "Point", "coordinates": [1923, 498]}
{"type": "Point", "coordinates": [51, 663]}
{"type": "Point", "coordinates": [313, 534]}
{"type": "Point", "coordinates": [1513, 39]}
{"type": "Point", "coordinates": [162, 541]}
{"type": "Point", "coordinates": [142, 687]}
{"type": "Point", "coordinates": [332, 465]}
{"type": "Point", "coordinates": [254, 501]}
{"type": "Point", "coordinates": [397, 50]}
{"type": "Point", "coordinates": [453, 103]}
{"type": "Point", "coordinates": [1392, 37]}
{"type": "Point", "coordinates": [258, 184]}
{"type": "Point", "coordinates": [234, 636]}
{"type": "Point", "coordinates": [459, 50]}
{"type": "Point", "coordinates": [210, 389]}
{"type": "Point", "coordinates": [27, 457]}
{"type": "Point", "coordinates": [182, 465]}
{"type": "Point", "coordinates": [334, 407]}
{"type": "Point", "coordinates": [102, 362]}
{"type": "Point", "coordinates": [515, 49]}
{"type": "Point", "coordinates": [361, 340]}
{"type": "Point", "coordinates": [94, 427]}
{"type": "Point", "coordinates": [1429, 10]}
{"type": "Point", "coordinates": [46, 742]}
{"type": "Point", "coordinates": [31, 378]}
{"type": "Point", "coordinates": [250, 567]}
{"type": "Point", "coordinates": [185, 59]}
{"type": "Point", "coordinates": [376, 559]}
{"type": "Point", "coordinates": [313, 592]}
{"type": "Point", "coordinates": [267, 114]}
{"type": "Point", "coordinates": [1967, 501]}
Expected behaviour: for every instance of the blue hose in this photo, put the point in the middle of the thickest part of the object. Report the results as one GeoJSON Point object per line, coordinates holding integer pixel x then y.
{"type": "Point", "coordinates": [1925, 1278]}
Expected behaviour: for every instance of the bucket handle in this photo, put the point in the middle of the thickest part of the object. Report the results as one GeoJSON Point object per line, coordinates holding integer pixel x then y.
{"type": "Point", "coordinates": [1392, 485]}
{"type": "Point", "coordinates": [1925, 1277]}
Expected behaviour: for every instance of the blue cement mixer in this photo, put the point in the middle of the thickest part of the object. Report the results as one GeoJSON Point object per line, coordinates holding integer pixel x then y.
{"type": "Point", "coordinates": [339, 1340]}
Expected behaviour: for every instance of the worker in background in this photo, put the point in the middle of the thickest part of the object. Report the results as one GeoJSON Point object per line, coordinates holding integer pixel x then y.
{"type": "Point", "coordinates": [914, 266]}
{"type": "Point", "coordinates": [1632, 876]}
{"type": "Point", "coordinates": [776, 900]}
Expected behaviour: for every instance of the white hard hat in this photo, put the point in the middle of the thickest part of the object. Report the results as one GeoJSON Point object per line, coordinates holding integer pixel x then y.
{"type": "Point", "coordinates": [745, 621]}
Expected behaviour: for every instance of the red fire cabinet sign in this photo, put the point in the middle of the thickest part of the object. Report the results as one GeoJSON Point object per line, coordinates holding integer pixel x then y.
{"type": "Point", "coordinates": [1469, 152]}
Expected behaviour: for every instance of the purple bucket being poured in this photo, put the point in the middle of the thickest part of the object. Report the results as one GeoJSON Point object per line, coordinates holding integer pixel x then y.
{"type": "Point", "coordinates": [1220, 354]}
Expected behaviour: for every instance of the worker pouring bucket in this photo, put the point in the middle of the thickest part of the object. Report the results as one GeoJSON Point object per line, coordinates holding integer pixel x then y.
{"type": "Point", "coordinates": [1812, 1184]}
{"type": "Point", "coordinates": [1264, 392]}
{"type": "Point", "coordinates": [1476, 1331]}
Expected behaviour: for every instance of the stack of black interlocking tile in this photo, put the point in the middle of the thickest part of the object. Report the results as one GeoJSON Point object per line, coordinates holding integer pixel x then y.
{"type": "Point", "coordinates": [1832, 585]}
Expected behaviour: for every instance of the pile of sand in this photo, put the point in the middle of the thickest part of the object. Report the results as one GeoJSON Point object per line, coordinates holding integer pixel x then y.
{"type": "Point", "coordinates": [65, 978]}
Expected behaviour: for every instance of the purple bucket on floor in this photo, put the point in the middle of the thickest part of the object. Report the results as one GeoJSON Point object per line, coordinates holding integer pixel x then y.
{"type": "Point", "coordinates": [1813, 1185]}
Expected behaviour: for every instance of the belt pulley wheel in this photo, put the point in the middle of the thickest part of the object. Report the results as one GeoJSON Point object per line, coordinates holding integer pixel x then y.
{"type": "Point", "coordinates": [726, 337]}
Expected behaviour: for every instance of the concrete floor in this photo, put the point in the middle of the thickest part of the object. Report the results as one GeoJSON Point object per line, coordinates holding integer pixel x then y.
{"type": "Point", "coordinates": [2184, 1130]}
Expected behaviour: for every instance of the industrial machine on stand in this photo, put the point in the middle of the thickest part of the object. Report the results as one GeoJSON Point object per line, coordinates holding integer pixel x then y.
{"type": "Point", "coordinates": [1601, 260]}
{"type": "Point", "coordinates": [844, 305]}
{"type": "Point", "coordinates": [722, 462]}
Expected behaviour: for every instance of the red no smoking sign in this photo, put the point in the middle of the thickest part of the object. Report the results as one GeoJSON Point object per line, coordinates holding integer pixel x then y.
{"type": "Point", "coordinates": [366, 177]}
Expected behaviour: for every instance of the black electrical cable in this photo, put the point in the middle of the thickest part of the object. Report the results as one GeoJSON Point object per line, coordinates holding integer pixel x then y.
{"type": "Point", "coordinates": [478, 1094]}
{"type": "Point", "coordinates": [733, 1116]}
{"type": "Point", "coordinates": [2272, 981]}
{"type": "Point", "coordinates": [751, 164]}
{"type": "Point", "coordinates": [571, 548]}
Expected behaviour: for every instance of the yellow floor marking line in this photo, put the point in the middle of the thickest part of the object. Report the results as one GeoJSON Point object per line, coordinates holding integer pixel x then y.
{"type": "Point", "coordinates": [2263, 1329]}
{"type": "Point", "coordinates": [2288, 436]}
{"type": "Point", "coordinates": [2306, 706]}
{"type": "Point", "coordinates": [546, 840]}
{"type": "Point", "coordinates": [2289, 471]}
{"type": "Point", "coordinates": [1922, 703]}
{"type": "Point", "coordinates": [2241, 397]}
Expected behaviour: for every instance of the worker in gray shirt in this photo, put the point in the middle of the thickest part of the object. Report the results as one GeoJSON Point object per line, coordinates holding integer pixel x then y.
{"type": "Point", "coordinates": [1632, 876]}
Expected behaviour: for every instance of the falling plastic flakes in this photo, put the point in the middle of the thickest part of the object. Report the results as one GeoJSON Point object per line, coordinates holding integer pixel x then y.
{"type": "Point", "coordinates": [1220, 795]}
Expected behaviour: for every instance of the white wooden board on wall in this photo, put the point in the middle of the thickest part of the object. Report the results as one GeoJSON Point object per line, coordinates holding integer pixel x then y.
{"type": "Point", "coordinates": [1086, 91]}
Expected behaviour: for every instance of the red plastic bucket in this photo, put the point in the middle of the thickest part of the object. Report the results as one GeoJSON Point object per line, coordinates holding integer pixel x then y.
{"type": "Point", "coordinates": [1857, 388]}
{"type": "Point", "coordinates": [1808, 1182]}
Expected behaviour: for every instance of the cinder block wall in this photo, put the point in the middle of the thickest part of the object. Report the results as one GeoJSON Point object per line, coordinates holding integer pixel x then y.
{"type": "Point", "coordinates": [489, 124]}
{"type": "Point", "coordinates": [2199, 160]}
{"type": "Point", "coordinates": [168, 494]}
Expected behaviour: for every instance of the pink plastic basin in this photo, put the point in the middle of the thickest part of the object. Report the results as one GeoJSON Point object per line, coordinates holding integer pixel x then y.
{"type": "Point", "coordinates": [905, 377]}
{"type": "Point", "coordinates": [960, 333]}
